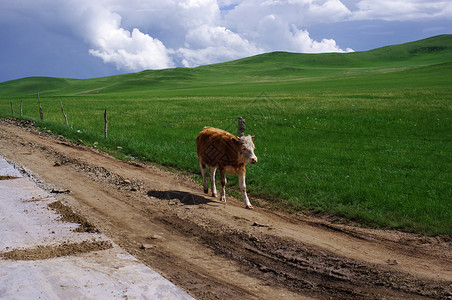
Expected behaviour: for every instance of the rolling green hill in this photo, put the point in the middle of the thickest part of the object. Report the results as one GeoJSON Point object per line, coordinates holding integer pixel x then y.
{"type": "Point", "coordinates": [366, 135]}
{"type": "Point", "coordinates": [273, 67]}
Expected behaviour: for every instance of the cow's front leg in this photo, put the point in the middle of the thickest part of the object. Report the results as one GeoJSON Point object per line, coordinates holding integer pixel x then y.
{"type": "Point", "coordinates": [204, 178]}
{"type": "Point", "coordinates": [212, 171]}
{"type": "Point", "coordinates": [242, 175]}
{"type": "Point", "coordinates": [223, 185]}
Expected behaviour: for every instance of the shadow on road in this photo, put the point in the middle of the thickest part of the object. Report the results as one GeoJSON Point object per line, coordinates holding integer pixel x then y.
{"type": "Point", "coordinates": [184, 197]}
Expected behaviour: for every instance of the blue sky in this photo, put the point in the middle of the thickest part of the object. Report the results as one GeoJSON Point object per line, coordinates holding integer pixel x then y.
{"type": "Point", "coordinates": [95, 38]}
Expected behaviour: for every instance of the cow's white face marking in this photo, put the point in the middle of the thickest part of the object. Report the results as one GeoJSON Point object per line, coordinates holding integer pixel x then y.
{"type": "Point", "coordinates": [247, 147]}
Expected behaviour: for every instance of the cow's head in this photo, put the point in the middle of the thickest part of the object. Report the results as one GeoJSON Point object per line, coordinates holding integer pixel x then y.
{"type": "Point", "coordinates": [247, 149]}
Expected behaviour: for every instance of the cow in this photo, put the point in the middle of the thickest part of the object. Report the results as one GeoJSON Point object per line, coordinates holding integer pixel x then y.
{"type": "Point", "coordinates": [221, 150]}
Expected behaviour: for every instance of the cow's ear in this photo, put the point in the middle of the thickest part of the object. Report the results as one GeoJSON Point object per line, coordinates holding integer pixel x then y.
{"type": "Point", "coordinates": [252, 137]}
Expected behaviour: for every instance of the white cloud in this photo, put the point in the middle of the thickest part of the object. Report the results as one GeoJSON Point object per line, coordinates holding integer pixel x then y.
{"type": "Point", "coordinates": [173, 25]}
{"type": "Point", "coordinates": [206, 44]}
{"type": "Point", "coordinates": [131, 51]}
{"type": "Point", "coordinates": [278, 24]}
{"type": "Point", "coordinates": [190, 30]}
{"type": "Point", "coordinates": [153, 34]}
{"type": "Point", "coordinates": [402, 10]}
{"type": "Point", "coordinates": [247, 15]}
{"type": "Point", "coordinates": [100, 27]}
{"type": "Point", "coordinates": [301, 40]}
{"type": "Point", "coordinates": [134, 35]}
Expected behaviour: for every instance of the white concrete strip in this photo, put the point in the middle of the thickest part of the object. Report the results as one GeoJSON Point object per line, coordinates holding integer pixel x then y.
{"type": "Point", "coordinates": [7, 170]}
{"type": "Point", "coordinates": [27, 222]}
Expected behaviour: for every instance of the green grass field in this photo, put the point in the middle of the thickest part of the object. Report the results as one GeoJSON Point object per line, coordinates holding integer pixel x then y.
{"type": "Point", "coordinates": [366, 136]}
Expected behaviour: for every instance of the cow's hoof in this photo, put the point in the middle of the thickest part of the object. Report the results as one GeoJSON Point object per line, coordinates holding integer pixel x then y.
{"type": "Point", "coordinates": [223, 199]}
{"type": "Point", "coordinates": [214, 195]}
{"type": "Point", "coordinates": [249, 206]}
{"type": "Point", "coordinates": [206, 191]}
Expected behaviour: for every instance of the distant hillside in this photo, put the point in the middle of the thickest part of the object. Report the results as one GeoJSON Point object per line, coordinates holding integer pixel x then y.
{"type": "Point", "coordinates": [432, 50]}
{"type": "Point", "coordinates": [268, 67]}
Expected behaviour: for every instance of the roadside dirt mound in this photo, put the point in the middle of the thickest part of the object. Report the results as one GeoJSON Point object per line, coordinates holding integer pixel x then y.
{"type": "Point", "coordinates": [218, 251]}
{"type": "Point", "coordinates": [68, 215]}
{"type": "Point", "coordinates": [65, 249]}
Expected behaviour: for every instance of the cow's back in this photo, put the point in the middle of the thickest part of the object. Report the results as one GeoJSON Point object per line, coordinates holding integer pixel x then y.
{"type": "Point", "coordinates": [218, 148]}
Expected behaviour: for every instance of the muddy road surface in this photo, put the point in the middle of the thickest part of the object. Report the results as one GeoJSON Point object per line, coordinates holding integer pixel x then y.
{"type": "Point", "coordinates": [214, 250]}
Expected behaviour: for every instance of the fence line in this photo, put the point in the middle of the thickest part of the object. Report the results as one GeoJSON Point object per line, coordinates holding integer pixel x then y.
{"type": "Point", "coordinates": [294, 127]}
{"type": "Point", "coordinates": [329, 160]}
{"type": "Point", "coordinates": [206, 121]}
{"type": "Point", "coordinates": [419, 152]}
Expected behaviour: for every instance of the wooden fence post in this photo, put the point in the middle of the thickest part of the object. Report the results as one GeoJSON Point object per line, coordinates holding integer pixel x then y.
{"type": "Point", "coordinates": [241, 126]}
{"type": "Point", "coordinates": [105, 129]}
{"type": "Point", "coordinates": [21, 104]}
{"type": "Point", "coordinates": [12, 108]}
{"type": "Point", "coordinates": [64, 115]}
{"type": "Point", "coordinates": [40, 108]}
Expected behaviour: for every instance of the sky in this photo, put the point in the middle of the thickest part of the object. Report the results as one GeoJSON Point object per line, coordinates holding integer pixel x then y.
{"type": "Point", "coordinates": [96, 38]}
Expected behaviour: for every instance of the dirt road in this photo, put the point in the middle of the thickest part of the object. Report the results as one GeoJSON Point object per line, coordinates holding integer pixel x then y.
{"type": "Point", "coordinates": [218, 251]}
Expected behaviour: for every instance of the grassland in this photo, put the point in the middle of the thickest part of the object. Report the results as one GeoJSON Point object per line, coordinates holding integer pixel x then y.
{"type": "Point", "coordinates": [366, 136]}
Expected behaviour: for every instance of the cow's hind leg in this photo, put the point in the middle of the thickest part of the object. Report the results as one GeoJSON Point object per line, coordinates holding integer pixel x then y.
{"type": "Point", "coordinates": [223, 185]}
{"type": "Point", "coordinates": [204, 178]}
{"type": "Point", "coordinates": [212, 171]}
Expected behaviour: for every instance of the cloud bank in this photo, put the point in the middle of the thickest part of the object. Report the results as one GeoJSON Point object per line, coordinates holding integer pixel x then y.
{"type": "Point", "coordinates": [190, 33]}
{"type": "Point", "coordinates": [135, 35]}
{"type": "Point", "coordinates": [402, 10]}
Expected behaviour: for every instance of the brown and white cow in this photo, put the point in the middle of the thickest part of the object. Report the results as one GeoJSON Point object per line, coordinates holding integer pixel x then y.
{"type": "Point", "coordinates": [221, 150]}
